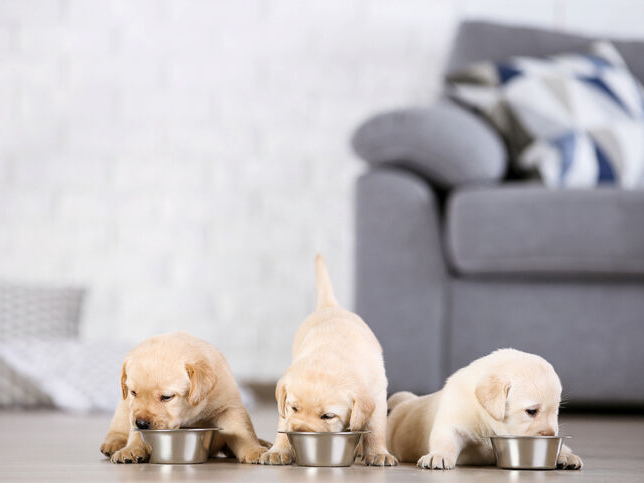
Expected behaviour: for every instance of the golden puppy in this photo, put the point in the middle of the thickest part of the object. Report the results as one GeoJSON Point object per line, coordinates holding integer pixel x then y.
{"type": "Point", "coordinates": [176, 380]}
{"type": "Point", "coordinates": [336, 380]}
{"type": "Point", "coordinates": [505, 393]}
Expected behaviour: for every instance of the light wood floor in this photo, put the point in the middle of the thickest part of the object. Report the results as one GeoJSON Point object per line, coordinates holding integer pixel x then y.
{"type": "Point", "coordinates": [51, 447]}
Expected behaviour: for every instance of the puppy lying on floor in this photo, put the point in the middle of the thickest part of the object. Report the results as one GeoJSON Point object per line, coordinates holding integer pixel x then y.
{"type": "Point", "coordinates": [176, 380]}
{"type": "Point", "coordinates": [336, 380]}
{"type": "Point", "coordinates": [507, 392]}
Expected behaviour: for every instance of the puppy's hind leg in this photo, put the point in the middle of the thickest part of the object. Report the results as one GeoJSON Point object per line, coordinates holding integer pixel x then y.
{"type": "Point", "coordinates": [399, 397]}
{"type": "Point", "coordinates": [374, 444]}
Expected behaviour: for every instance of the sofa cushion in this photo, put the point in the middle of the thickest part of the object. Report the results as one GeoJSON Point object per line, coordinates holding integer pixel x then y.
{"type": "Point", "coordinates": [529, 230]}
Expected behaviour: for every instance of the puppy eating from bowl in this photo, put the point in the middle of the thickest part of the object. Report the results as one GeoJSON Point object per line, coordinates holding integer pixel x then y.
{"type": "Point", "coordinates": [173, 381]}
{"type": "Point", "coordinates": [336, 380]}
{"type": "Point", "coordinates": [507, 392]}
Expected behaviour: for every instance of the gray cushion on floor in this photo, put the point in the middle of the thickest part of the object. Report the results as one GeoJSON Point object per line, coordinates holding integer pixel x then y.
{"type": "Point", "coordinates": [444, 143]}
{"type": "Point", "coordinates": [534, 230]}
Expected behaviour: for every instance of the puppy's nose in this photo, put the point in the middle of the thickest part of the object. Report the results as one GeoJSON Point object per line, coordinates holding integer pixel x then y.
{"type": "Point", "coordinates": [142, 424]}
{"type": "Point", "coordinates": [547, 432]}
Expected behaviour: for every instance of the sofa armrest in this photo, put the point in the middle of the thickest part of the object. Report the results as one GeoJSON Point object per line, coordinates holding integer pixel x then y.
{"type": "Point", "coordinates": [401, 278]}
{"type": "Point", "coordinates": [445, 143]}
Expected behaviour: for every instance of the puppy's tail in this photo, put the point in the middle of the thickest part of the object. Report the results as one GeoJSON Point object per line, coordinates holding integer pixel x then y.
{"type": "Point", "coordinates": [399, 397]}
{"type": "Point", "coordinates": [323, 283]}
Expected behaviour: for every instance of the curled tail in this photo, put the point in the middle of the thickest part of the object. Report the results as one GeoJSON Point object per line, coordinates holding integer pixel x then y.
{"type": "Point", "coordinates": [323, 283]}
{"type": "Point", "coordinates": [399, 397]}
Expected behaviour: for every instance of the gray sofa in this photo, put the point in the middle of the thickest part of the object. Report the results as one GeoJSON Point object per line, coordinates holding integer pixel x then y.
{"type": "Point", "coordinates": [453, 260]}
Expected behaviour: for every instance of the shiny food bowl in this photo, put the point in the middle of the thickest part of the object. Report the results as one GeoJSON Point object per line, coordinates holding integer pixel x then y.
{"type": "Point", "coordinates": [324, 449]}
{"type": "Point", "coordinates": [527, 452]}
{"type": "Point", "coordinates": [178, 446]}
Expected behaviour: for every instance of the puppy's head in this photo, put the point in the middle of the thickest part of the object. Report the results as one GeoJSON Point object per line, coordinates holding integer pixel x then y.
{"type": "Point", "coordinates": [318, 402]}
{"type": "Point", "coordinates": [521, 392]}
{"type": "Point", "coordinates": [164, 385]}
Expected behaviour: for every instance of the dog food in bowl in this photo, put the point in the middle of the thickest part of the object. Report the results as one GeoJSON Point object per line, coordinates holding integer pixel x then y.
{"type": "Point", "coordinates": [178, 446]}
{"type": "Point", "coordinates": [324, 449]}
{"type": "Point", "coordinates": [527, 452]}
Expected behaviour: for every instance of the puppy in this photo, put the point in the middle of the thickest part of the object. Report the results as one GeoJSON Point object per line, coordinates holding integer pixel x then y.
{"type": "Point", "coordinates": [176, 380]}
{"type": "Point", "coordinates": [336, 380]}
{"type": "Point", "coordinates": [505, 393]}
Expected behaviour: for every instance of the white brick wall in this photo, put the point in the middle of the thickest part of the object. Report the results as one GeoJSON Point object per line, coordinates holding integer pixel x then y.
{"type": "Point", "coordinates": [185, 160]}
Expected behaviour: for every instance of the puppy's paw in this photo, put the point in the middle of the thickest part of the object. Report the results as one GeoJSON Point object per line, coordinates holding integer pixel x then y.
{"type": "Point", "coordinates": [379, 459]}
{"type": "Point", "coordinates": [277, 457]}
{"type": "Point", "coordinates": [252, 455]}
{"type": "Point", "coordinates": [569, 461]}
{"type": "Point", "coordinates": [435, 461]}
{"type": "Point", "coordinates": [113, 443]}
{"type": "Point", "coordinates": [132, 454]}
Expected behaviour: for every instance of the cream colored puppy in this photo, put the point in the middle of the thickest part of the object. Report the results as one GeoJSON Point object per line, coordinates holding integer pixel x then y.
{"type": "Point", "coordinates": [505, 393]}
{"type": "Point", "coordinates": [176, 380]}
{"type": "Point", "coordinates": [336, 380]}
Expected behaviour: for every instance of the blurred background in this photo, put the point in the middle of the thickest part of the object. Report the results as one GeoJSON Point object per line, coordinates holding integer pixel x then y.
{"type": "Point", "coordinates": [181, 162]}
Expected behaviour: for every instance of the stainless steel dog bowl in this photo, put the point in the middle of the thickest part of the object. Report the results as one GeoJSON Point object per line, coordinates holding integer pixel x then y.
{"type": "Point", "coordinates": [527, 452]}
{"type": "Point", "coordinates": [324, 449]}
{"type": "Point", "coordinates": [178, 446]}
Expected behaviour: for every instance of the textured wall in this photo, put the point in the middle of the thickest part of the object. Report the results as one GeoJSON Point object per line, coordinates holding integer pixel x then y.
{"type": "Point", "coordinates": [185, 160]}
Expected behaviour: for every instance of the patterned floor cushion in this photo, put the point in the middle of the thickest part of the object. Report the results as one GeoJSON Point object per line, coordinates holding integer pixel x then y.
{"type": "Point", "coordinates": [572, 120]}
{"type": "Point", "coordinates": [39, 313]}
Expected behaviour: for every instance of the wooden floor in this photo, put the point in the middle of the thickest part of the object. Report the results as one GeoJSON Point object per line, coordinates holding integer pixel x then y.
{"type": "Point", "coordinates": [49, 447]}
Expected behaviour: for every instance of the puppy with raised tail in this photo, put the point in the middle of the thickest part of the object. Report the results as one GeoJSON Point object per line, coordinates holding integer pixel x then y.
{"type": "Point", "coordinates": [336, 380]}
{"type": "Point", "coordinates": [173, 381]}
{"type": "Point", "coordinates": [507, 392]}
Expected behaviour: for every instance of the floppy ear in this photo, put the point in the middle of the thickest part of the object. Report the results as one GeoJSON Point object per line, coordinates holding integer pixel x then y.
{"type": "Point", "coordinates": [492, 393]}
{"type": "Point", "coordinates": [202, 381]}
{"type": "Point", "coordinates": [361, 411]}
{"type": "Point", "coordinates": [123, 379]}
{"type": "Point", "coordinates": [280, 396]}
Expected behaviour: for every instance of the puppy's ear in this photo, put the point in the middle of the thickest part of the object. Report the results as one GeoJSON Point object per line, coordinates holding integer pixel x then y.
{"type": "Point", "coordinates": [202, 381]}
{"type": "Point", "coordinates": [123, 379]}
{"type": "Point", "coordinates": [492, 394]}
{"type": "Point", "coordinates": [361, 411]}
{"type": "Point", "coordinates": [280, 396]}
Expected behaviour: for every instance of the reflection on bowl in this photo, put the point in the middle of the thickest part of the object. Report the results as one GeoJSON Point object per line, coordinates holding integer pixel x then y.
{"type": "Point", "coordinates": [324, 449]}
{"type": "Point", "coordinates": [527, 452]}
{"type": "Point", "coordinates": [178, 446]}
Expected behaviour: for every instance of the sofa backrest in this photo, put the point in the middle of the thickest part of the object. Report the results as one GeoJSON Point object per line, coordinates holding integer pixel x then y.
{"type": "Point", "coordinates": [477, 41]}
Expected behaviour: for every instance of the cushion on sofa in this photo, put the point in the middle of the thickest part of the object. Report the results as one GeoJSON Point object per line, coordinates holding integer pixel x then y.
{"type": "Point", "coordinates": [444, 143]}
{"type": "Point", "coordinates": [531, 230]}
{"type": "Point", "coordinates": [572, 120]}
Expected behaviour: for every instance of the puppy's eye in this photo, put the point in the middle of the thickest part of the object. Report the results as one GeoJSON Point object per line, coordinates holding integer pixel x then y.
{"type": "Point", "coordinates": [327, 416]}
{"type": "Point", "coordinates": [531, 412]}
{"type": "Point", "coordinates": [294, 409]}
{"type": "Point", "coordinates": [133, 393]}
{"type": "Point", "coordinates": [166, 398]}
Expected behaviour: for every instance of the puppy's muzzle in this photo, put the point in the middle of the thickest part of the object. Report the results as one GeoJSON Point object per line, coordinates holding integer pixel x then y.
{"type": "Point", "coordinates": [142, 423]}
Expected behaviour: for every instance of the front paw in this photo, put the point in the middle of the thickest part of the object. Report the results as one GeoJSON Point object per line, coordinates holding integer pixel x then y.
{"type": "Point", "coordinates": [113, 443]}
{"type": "Point", "coordinates": [252, 455]}
{"type": "Point", "coordinates": [379, 459]}
{"type": "Point", "coordinates": [436, 461]}
{"type": "Point", "coordinates": [132, 454]}
{"type": "Point", "coordinates": [277, 457]}
{"type": "Point", "coordinates": [569, 461]}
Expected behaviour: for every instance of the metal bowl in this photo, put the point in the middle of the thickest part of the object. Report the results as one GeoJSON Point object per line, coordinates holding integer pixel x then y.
{"type": "Point", "coordinates": [527, 452]}
{"type": "Point", "coordinates": [324, 449]}
{"type": "Point", "coordinates": [178, 446]}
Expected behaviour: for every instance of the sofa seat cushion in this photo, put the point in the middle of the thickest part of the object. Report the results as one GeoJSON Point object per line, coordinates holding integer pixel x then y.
{"type": "Point", "coordinates": [527, 230]}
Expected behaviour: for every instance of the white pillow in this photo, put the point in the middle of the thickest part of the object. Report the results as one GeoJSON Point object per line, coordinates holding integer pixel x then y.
{"type": "Point", "coordinates": [574, 120]}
